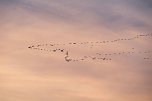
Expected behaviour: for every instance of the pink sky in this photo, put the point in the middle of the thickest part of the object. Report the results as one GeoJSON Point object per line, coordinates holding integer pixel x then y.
{"type": "Point", "coordinates": [31, 75]}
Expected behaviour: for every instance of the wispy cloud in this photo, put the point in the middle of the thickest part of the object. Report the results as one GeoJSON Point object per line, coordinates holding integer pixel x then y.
{"type": "Point", "coordinates": [37, 75]}
{"type": "Point", "coordinates": [108, 13]}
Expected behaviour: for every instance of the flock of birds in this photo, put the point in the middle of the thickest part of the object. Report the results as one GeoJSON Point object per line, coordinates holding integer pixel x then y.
{"type": "Point", "coordinates": [102, 56]}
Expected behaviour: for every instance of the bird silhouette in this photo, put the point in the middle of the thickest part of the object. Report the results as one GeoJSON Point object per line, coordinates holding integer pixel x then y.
{"type": "Point", "coordinates": [58, 47]}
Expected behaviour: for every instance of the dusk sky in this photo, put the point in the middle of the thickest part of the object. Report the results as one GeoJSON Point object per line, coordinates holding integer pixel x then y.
{"type": "Point", "coordinates": [28, 74]}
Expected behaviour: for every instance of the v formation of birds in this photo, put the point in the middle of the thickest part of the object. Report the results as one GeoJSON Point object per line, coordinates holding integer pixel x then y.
{"type": "Point", "coordinates": [102, 56]}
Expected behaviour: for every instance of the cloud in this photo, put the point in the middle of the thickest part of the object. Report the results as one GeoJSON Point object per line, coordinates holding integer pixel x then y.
{"type": "Point", "coordinates": [37, 75]}
{"type": "Point", "coordinates": [115, 15]}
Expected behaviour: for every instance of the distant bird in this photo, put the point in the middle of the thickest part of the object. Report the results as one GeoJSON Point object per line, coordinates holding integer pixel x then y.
{"type": "Point", "coordinates": [62, 50]}
{"type": "Point", "coordinates": [82, 59]}
{"type": "Point", "coordinates": [54, 50]}
{"type": "Point", "coordinates": [66, 58]}
{"type": "Point", "coordinates": [38, 45]}
{"type": "Point", "coordinates": [57, 47]}
{"type": "Point", "coordinates": [93, 58]}
{"type": "Point", "coordinates": [67, 53]}
{"type": "Point", "coordinates": [51, 45]}
{"type": "Point", "coordinates": [146, 58]}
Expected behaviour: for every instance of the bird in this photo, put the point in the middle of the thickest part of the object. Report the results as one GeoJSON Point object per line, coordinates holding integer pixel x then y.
{"type": "Point", "coordinates": [67, 53]}
{"type": "Point", "coordinates": [92, 45]}
{"type": "Point", "coordinates": [54, 50]}
{"type": "Point", "coordinates": [66, 58]}
{"type": "Point", "coordinates": [62, 50]}
{"type": "Point", "coordinates": [29, 47]}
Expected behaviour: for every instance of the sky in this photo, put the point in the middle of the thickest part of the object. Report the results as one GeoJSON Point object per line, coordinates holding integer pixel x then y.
{"type": "Point", "coordinates": [32, 75]}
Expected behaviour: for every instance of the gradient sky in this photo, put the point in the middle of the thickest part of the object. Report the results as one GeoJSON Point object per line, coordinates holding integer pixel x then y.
{"type": "Point", "coordinates": [28, 75]}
